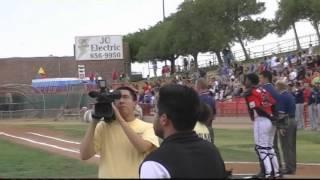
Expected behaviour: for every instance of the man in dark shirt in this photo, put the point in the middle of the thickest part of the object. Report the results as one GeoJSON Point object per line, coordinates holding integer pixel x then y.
{"type": "Point", "coordinates": [182, 154]}
{"type": "Point", "coordinates": [298, 94]}
{"type": "Point", "coordinates": [314, 106]}
{"type": "Point", "coordinates": [288, 128]}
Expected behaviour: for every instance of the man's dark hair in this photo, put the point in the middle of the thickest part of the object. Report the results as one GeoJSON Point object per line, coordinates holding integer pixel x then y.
{"type": "Point", "coordinates": [181, 105]}
{"type": "Point", "coordinates": [132, 92]}
{"type": "Point", "coordinates": [253, 78]}
{"type": "Point", "coordinates": [267, 75]}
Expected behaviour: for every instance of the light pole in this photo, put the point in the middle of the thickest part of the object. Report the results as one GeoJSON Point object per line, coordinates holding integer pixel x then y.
{"type": "Point", "coordinates": [164, 16]}
{"type": "Point", "coordinates": [163, 10]}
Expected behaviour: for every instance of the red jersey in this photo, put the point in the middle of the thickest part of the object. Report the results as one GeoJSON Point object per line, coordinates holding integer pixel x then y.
{"type": "Point", "coordinates": [260, 101]}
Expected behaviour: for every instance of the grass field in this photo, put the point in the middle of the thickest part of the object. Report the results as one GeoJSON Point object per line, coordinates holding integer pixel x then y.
{"type": "Point", "coordinates": [18, 161]}
{"type": "Point", "coordinates": [234, 144]}
{"type": "Point", "coordinates": [237, 145]}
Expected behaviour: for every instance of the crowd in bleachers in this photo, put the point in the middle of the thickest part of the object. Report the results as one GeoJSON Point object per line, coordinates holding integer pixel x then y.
{"type": "Point", "coordinates": [299, 70]}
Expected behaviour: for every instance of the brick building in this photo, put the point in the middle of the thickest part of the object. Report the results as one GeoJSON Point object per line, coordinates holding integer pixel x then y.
{"type": "Point", "coordinates": [22, 70]}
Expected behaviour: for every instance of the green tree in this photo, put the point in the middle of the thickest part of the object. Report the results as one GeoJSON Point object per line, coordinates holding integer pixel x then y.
{"type": "Point", "coordinates": [159, 43]}
{"type": "Point", "coordinates": [200, 28]}
{"type": "Point", "coordinates": [166, 41]}
{"type": "Point", "coordinates": [312, 13]}
{"type": "Point", "coordinates": [135, 41]}
{"type": "Point", "coordinates": [289, 12]}
{"type": "Point", "coordinates": [239, 15]}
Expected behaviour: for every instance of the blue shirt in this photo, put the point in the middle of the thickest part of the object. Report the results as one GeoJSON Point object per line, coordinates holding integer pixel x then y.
{"type": "Point", "coordinates": [314, 97]}
{"type": "Point", "coordinates": [286, 103]}
{"type": "Point", "coordinates": [206, 98]}
{"type": "Point", "coordinates": [298, 94]}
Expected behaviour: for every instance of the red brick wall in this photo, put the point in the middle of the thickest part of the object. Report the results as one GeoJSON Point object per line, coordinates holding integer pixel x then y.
{"type": "Point", "coordinates": [23, 70]}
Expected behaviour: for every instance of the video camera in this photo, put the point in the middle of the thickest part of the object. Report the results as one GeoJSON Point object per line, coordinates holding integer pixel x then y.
{"type": "Point", "coordinates": [104, 98]}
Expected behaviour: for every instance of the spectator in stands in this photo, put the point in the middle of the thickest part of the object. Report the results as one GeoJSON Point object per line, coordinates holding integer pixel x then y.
{"type": "Point", "coordinates": [318, 60]}
{"type": "Point", "coordinates": [140, 95]}
{"type": "Point", "coordinates": [146, 87]}
{"type": "Point", "coordinates": [261, 67]}
{"type": "Point", "coordinates": [214, 85]}
{"type": "Point", "coordinates": [314, 106]}
{"type": "Point", "coordinates": [274, 62]}
{"type": "Point", "coordinates": [227, 56]}
{"type": "Point", "coordinates": [310, 62]}
{"type": "Point", "coordinates": [283, 77]}
{"type": "Point", "coordinates": [310, 50]}
{"type": "Point", "coordinates": [185, 64]}
{"type": "Point", "coordinates": [307, 79]}
{"type": "Point", "coordinates": [298, 94]}
{"type": "Point", "coordinates": [147, 97]}
{"type": "Point", "coordinates": [167, 71]}
{"type": "Point", "coordinates": [155, 67]}
{"type": "Point", "coordinates": [306, 93]}
{"type": "Point", "coordinates": [293, 59]}
{"type": "Point", "coordinates": [252, 68]}
{"type": "Point", "coordinates": [119, 157]}
{"type": "Point", "coordinates": [138, 113]}
{"type": "Point", "coordinates": [114, 75]}
{"type": "Point", "coordinates": [293, 75]}
{"type": "Point", "coordinates": [163, 72]}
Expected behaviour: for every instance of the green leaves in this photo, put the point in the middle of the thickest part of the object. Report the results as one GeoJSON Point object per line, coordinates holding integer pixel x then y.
{"type": "Point", "coordinates": [212, 25]}
{"type": "Point", "coordinates": [289, 12]}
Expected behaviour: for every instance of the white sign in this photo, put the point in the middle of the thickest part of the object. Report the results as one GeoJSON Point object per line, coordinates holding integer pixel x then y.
{"type": "Point", "coordinates": [98, 47]}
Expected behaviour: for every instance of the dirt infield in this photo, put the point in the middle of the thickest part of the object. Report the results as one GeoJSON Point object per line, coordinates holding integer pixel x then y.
{"type": "Point", "coordinates": [59, 143]}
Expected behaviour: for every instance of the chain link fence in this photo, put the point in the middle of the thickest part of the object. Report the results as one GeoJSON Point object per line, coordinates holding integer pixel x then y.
{"type": "Point", "coordinates": [24, 101]}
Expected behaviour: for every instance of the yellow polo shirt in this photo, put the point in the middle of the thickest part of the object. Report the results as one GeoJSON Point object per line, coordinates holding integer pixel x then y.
{"type": "Point", "coordinates": [119, 158]}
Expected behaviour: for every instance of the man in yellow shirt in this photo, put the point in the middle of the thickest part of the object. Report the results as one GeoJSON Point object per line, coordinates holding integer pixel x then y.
{"type": "Point", "coordinates": [122, 143]}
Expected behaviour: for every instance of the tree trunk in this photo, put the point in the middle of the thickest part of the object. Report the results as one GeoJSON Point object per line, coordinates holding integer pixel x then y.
{"type": "Point", "coordinates": [296, 36]}
{"type": "Point", "coordinates": [220, 61]}
{"type": "Point", "coordinates": [315, 26]}
{"type": "Point", "coordinates": [195, 57]}
{"type": "Point", "coordinates": [172, 61]}
{"type": "Point", "coordinates": [243, 48]}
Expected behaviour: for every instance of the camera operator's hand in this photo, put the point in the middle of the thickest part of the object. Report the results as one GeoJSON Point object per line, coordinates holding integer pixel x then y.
{"type": "Point", "coordinates": [138, 142]}
{"type": "Point", "coordinates": [92, 118]}
{"type": "Point", "coordinates": [117, 113]}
